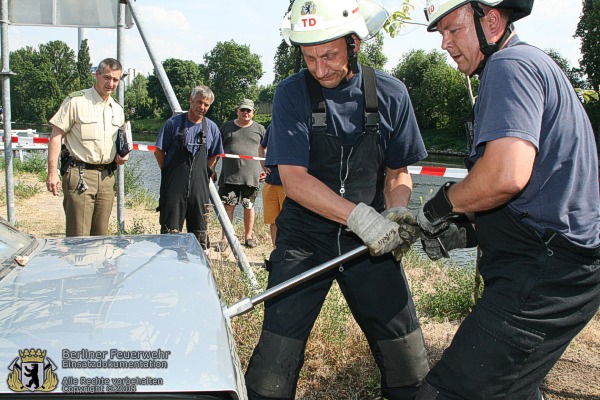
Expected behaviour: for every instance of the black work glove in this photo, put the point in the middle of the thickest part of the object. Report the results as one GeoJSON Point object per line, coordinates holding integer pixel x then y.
{"type": "Point", "coordinates": [409, 230]}
{"type": "Point", "coordinates": [455, 236]}
{"type": "Point", "coordinates": [433, 216]}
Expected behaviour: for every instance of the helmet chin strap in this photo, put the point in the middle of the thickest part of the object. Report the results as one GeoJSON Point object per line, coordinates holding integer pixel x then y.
{"type": "Point", "coordinates": [352, 56]}
{"type": "Point", "coordinates": [486, 47]}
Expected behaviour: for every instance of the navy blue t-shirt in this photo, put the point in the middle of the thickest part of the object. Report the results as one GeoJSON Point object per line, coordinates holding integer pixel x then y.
{"type": "Point", "coordinates": [289, 143]}
{"type": "Point", "coordinates": [524, 94]}
{"type": "Point", "coordinates": [273, 177]}
{"type": "Point", "coordinates": [166, 140]}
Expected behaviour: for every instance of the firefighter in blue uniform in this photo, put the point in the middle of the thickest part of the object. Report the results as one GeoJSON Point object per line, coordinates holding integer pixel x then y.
{"type": "Point", "coordinates": [342, 137]}
{"type": "Point", "coordinates": [533, 189]}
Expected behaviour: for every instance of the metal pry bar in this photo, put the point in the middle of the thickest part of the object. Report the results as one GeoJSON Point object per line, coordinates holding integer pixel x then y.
{"type": "Point", "coordinates": [246, 304]}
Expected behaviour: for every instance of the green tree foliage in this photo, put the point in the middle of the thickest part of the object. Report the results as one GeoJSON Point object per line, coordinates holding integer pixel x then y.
{"type": "Point", "coordinates": [574, 74]}
{"type": "Point", "coordinates": [84, 66]}
{"type": "Point", "coordinates": [183, 75]}
{"type": "Point", "coordinates": [35, 92]}
{"type": "Point", "coordinates": [138, 104]}
{"type": "Point", "coordinates": [286, 58]}
{"type": "Point", "coordinates": [285, 61]}
{"type": "Point", "coordinates": [233, 73]}
{"type": "Point", "coordinates": [588, 29]}
{"type": "Point", "coordinates": [266, 93]}
{"type": "Point", "coordinates": [63, 66]}
{"type": "Point", "coordinates": [398, 18]}
{"type": "Point", "coordinates": [589, 32]}
{"type": "Point", "coordinates": [371, 52]}
{"type": "Point", "coordinates": [438, 92]}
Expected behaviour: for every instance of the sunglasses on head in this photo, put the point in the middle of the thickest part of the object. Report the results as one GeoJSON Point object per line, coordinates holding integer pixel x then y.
{"type": "Point", "coordinates": [245, 110]}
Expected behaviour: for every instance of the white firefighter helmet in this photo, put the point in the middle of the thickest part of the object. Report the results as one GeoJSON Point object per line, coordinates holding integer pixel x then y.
{"type": "Point", "coordinates": [438, 9]}
{"type": "Point", "coordinates": [318, 21]}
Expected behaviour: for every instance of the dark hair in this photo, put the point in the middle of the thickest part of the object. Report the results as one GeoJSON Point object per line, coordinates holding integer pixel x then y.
{"type": "Point", "coordinates": [111, 63]}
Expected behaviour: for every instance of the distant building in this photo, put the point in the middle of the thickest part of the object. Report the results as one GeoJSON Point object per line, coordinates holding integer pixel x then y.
{"type": "Point", "coordinates": [132, 73]}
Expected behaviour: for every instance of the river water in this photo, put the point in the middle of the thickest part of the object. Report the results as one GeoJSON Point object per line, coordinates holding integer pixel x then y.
{"type": "Point", "coordinates": [424, 187]}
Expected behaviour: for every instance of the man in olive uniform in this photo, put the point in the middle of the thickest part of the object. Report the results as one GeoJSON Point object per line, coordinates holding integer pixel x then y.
{"type": "Point", "coordinates": [88, 121]}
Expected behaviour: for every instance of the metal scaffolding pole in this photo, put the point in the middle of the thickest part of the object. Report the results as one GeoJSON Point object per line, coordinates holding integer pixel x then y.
{"type": "Point", "coordinates": [121, 100]}
{"type": "Point", "coordinates": [158, 68]}
{"type": "Point", "coordinates": [243, 263]}
{"type": "Point", "coordinates": [6, 115]}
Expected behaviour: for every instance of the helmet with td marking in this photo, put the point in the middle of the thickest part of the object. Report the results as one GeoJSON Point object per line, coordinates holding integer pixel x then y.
{"type": "Point", "coordinates": [319, 21]}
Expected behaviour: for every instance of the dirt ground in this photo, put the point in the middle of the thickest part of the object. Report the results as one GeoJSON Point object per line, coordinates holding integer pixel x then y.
{"type": "Point", "coordinates": [575, 376]}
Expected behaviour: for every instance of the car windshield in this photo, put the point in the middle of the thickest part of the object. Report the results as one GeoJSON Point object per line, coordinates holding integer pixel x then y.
{"type": "Point", "coordinates": [12, 241]}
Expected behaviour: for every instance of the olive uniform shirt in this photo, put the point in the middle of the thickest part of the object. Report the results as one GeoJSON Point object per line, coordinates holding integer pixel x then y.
{"type": "Point", "coordinates": [90, 125]}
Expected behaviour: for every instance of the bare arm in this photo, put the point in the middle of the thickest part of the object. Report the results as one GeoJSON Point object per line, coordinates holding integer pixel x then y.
{"type": "Point", "coordinates": [160, 157]}
{"type": "Point", "coordinates": [54, 145]}
{"type": "Point", "coordinates": [262, 152]}
{"type": "Point", "coordinates": [502, 172]}
{"type": "Point", "coordinates": [212, 161]}
{"type": "Point", "coordinates": [398, 187]}
{"type": "Point", "coordinates": [313, 194]}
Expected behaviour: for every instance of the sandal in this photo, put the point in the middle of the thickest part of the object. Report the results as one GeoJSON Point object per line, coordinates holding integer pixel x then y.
{"type": "Point", "coordinates": [250, 243]}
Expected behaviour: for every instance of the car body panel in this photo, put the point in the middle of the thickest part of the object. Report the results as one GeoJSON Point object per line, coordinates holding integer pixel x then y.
{"type": "Point", "coordinates": [105, 308]}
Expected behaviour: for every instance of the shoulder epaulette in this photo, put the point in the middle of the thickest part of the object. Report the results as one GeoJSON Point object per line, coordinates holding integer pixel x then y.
{"type": "Point", "coordinates": [76, 93]}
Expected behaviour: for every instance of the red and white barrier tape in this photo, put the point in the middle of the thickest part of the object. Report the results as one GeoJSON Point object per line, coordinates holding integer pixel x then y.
{"type": "Point", "coordinates": [144, 147]}
{"type": "Point", "coordinates": [27, 140]}
{"type": "Point", "coordinates": [438, 171]}
{"type": "Point", "coordinates": [223, 155]}
{"type": "Point", "coordinates": [413, 169]}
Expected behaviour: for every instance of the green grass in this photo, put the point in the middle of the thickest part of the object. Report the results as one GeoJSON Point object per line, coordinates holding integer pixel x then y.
{"type": "Point", "coordinates": [445, 140]}
{"type": "Point", "coordinates": [139, 228]}
{"type": "Point", "coordinates": [264, 119]}
{"type": "Point", "coordinates": [144, 137]}
{"type": "Point", "coordinates": [24, 191]}
{"type": "Point", "coordinates": [450, 297]}
{"type": "Point", "coordinates": [338, 361]}
{"type": "Point", "coordinates": [151, 125]}
{"type": "Point", "coordinates": [135, 194]}
{"type": "Point", "coordinates": [35, 163]}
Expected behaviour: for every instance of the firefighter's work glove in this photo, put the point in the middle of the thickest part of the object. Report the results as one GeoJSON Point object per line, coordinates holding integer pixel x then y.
{"type": "Point", "coordinates": [379, 233]}
{"type": "Point", "coordinates": [433, 216]}
{"type": "Point", "coordinates": [455, 236]}
{"type": "Point", "coordinates": [409, 230]}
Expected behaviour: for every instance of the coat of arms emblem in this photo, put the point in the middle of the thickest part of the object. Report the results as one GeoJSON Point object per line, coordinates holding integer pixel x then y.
{"type": "Point", "coordinates": [308, 8]}
{"type": "Point", "coordinates": [34, 372]}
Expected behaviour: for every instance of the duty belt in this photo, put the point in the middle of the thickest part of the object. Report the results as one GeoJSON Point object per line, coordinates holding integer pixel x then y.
{"type": "Point", "coordinates": [97, 167]}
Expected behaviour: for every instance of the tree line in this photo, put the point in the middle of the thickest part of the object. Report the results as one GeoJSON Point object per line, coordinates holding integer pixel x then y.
{"type": "Point", "coordinates": [439, 93]}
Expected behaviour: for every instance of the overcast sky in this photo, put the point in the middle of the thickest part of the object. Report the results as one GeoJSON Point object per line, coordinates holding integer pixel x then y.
{"type": "Point", "coordinates": [188, 29]}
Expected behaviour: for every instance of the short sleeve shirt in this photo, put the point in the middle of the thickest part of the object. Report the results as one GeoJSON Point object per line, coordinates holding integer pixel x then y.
{"type": "Point", "coordinates": [273, 177]}
{"type": "Point", "coordinates": [524, 94]}
{"type": "Point", "coordinates": [90, 125]}
{"type": "Point", "coordinates": [168, 141]}
{"type": "Point", "coordinates": [241, 141]}
{"type": "Point", "coordinates": [289, 143]}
